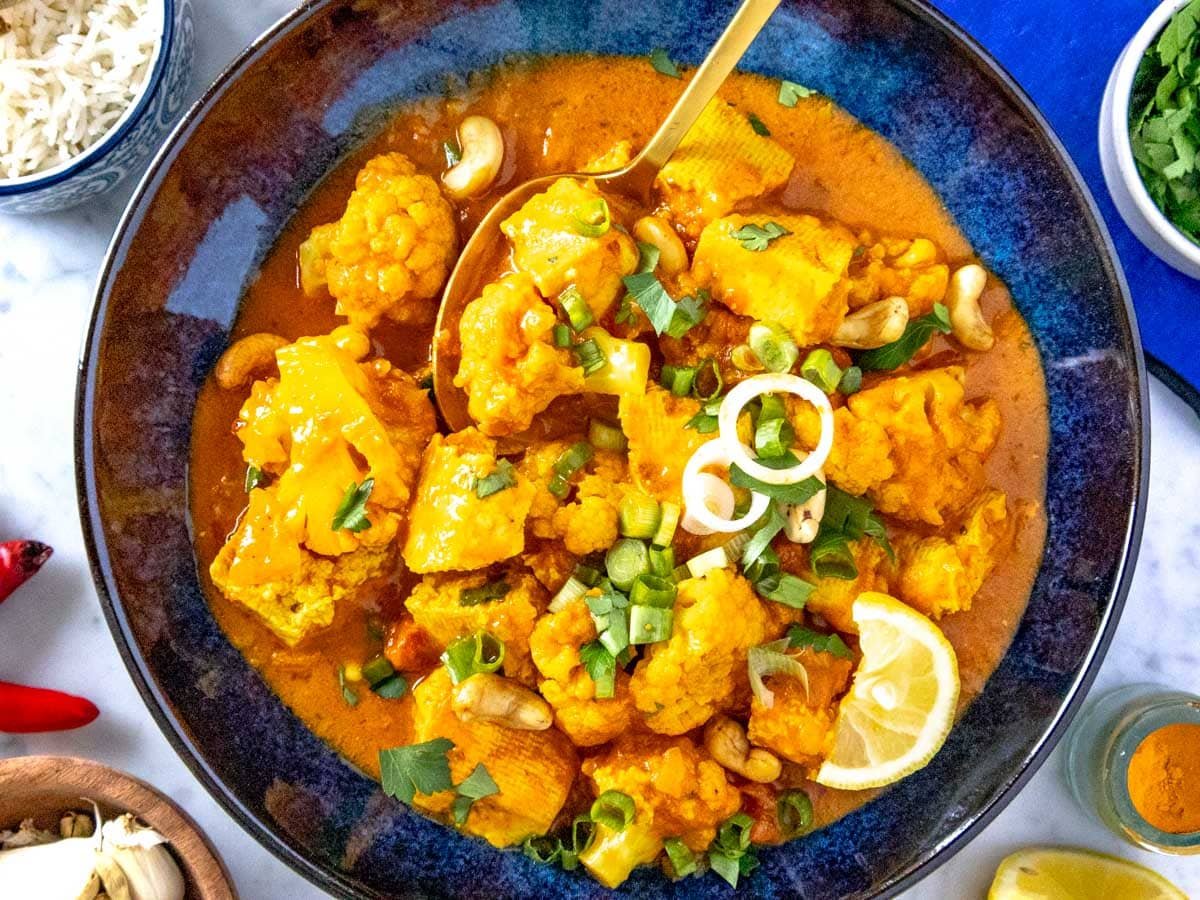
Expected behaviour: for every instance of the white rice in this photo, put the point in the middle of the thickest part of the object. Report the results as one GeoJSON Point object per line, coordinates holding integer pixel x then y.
{"type": "Point", "coordinates": [69, 69]}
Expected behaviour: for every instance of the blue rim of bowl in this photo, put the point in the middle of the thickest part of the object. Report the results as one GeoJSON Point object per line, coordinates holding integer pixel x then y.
{"type": "Point", "coordinates": [277, 844]}
{"type": "Point", "coordinates": [98, 151]}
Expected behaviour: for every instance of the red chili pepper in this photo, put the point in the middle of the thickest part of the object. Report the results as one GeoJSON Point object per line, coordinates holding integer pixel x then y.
{"type": "Point", "coordinates": [19, 560]}
{"type": "Point", "coordinates": [24, 710]}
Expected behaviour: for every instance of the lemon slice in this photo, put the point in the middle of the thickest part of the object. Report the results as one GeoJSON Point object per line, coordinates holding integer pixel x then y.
{"type": "Point", "coordinates": [1051, 873]}
{"type": "Point", "coordinates": [901, 705]}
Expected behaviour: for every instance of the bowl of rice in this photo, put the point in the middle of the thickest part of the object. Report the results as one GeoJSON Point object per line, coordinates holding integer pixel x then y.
{"type": "Point", "coordinates": [88, 90]}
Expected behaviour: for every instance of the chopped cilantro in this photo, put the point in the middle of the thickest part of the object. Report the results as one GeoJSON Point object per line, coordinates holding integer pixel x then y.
{"type": "Point", "coordinates": [790, 93]}
{"type": "Point", "coordinates": [348, 696]}
{"type": "Point", "coordinates": [916, 335]}
{"type": "Point", "coordinates": [254, 478]}
{"type": "Point", "coordinates": [666, 316]}
{"type": "Point", "coordinates": [756, 238]}
{"type": "Point", "coordinates": [476, 786]}
{"type": "Point", "coordinates": [351, 513]}
{"type": "Point", "coordinates": [759, 126]}
{"type": "Point", "coordinates": [799, 636]}
{"type": "Point", "coordinates": [502, 478]}
{"type": "Point", "coordinates": [663, 64]}
{"type": "Point", "coordinates": [601, 667]}
{"type": "Point", "coordinates": [418, 768]}
{"type": "Point", "coordinates": [485, 593]}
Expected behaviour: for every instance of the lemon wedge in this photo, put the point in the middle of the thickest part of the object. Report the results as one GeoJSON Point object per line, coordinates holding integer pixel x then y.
{"type": "Point", "coordinates": [1052, 873]}
{"type": "Point", "coordinates": [901, 704]}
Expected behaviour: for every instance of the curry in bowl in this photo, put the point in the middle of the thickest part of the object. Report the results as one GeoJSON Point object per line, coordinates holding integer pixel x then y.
{"type": "Point", "coordinates": [751, 503]}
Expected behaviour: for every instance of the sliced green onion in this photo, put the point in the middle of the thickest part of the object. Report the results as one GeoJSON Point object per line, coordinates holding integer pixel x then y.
{"type": "Point", "coordinates": [542, 848]}
{"type": "Point", "coordinates": [765, 566]}
{"type": "Point", "coordinates": [593, 219]}
{"type": "Point", "coordinates": [745, 359]}
{"type": "Point", "coordinates": [571, 590]}
{"type": "Point", "coordinates": [377, 670]}
{"type": "Point", "coordinates": [785, 588]}
{"type": "Point", "coordinates": [591, 358]}
{"type": "Point", "coordinates": [799, 636]}
{"type": "Point", "coordinates": [662, 562]}
{"type": "Point", "coordinates": [615, 637]}
{"type": "Point", "coordinates": [760, 542]}
{"type": "Point", "coordinates": [773, 438]}
{"type": "Point", "coordinates": [772, 659]}
{"type": "Point", "coordinates": [734, 834]}
{"type": "Point", "coordinates": [795, 812]}
{"type": "Point", "coordinates": [701, 565]}
{"type": "Point", "coordinates": [614, 810]}
{"type": "Point", "coordinates": [774, 346]}
{"type": "Point", "coordinates": [652, 590]}
{"type": "Point", "coordinates": [503, 478]}
{"type": "Point", "coordinates": [589, 575]}
{"type": "Point", "coordinates": [485, 593]}
{"type": "Point", "coordinates": [573, 459]}
{"type": "Point", "coordinates": [683, 860]}
{"type": "Point", "coordinates": [583, 832]}
{"type": "Point", "coordinates": [627, 560]}
{"type": "Point", "coordinates": [819, 368]}
{"type": "Point", "coordinates": [576, 309]}
{"type": "Point", "coordinates": [679, 379]}
{"type": "Point", "coordinates": [639, 515]}
{"type": "Point", "coordinates": [562, 335]}
{"type": "Point", "coordinates": [667, 524]}
{"type": "Point", "coordinates": [559, 486]}
{"type": "Point", "coordinates": [708, 383]}
{"type": "Point", "coordinates": [650, 624]}
{"type": "Point", "coordinates": [831, 557]}
{"type": "Point", "coordinates": [771, 407]}
{"type": "Point", "coordinates": [348, 696]}
{"type": "Point", "coordinates": [606, 436]}
{"type": "Point", "coordinates": [851, 381]}
{"type": "Point", "coordinates": [391, 688]}
{"type": "Point", "coordinates": [681, 573]}
{"type": "Point", "coordinates": [479, 652]}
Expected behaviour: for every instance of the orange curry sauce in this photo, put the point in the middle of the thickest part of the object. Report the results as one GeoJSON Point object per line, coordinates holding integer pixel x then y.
{"type": "Point", "coordinates": [556, 115]}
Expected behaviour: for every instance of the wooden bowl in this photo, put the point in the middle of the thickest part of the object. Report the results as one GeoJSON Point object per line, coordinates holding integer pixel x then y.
{"type": "Point", "coordinates": [42, 788]}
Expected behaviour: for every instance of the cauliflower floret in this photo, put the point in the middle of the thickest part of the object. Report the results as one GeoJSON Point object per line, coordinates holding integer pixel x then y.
{"type": "Point", "coordinates": [534, 770]}
{"type": "Point", "coordinates": [894, 267]}
{"type": "Point", "coordinates": [940, 575]}
{"type": "Point", "coordinates": [720, 162]}
{"type": "Point", "coordinates": [510, 369]}
{"type": "Point", "coordinates": [798, 725]}
{"type": "Point", "coordinates": [549, 244]}
{"type": "Point", "coordinates": [436, 606]}
{"type": "Point", "coordinates": [890, 437]}
{"type": "Point", "coordinates": [589, 523]}
{"type": "Point", "coordinates": [799, 280]}
{"type": "Point", "coordinates": [452, 529]}
{"type": "Point", "coordinates": [678, 790]}
{"type": "Point", "coordinates": [659, 444]}
{"type": "Point", "coordinates": [567, 686]}
{"type": "Point", "coordinates": [328, 423]}
{"type": "Point", "coordinates": [701, 670]}
{"type": "Point", "coordinates": [832, 598]}
{"type": "Point", "coordinates": [550, 562]}
{"type": "Point", "coordinates": [390, 252]}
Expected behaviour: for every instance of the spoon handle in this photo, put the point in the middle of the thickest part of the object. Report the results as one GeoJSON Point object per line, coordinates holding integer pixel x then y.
{"type": "Point", "coordinates": [741, 31]}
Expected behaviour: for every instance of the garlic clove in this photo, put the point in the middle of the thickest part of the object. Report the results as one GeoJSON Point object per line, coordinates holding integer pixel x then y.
{"type": "Point", "coordinates": [63, 870]}
{"type": "Point", "coordinates": [141, 853]}
{"type": "Point", "coordinates": [112, 876]}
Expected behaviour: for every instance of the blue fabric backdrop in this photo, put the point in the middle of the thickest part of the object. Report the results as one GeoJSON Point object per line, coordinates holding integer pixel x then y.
{"type": "Point", "coordinates": [1061, 51]}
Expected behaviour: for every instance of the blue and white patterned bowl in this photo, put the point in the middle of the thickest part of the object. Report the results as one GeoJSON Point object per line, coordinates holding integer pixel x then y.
{"type": "Point", "coordinates": [306, 94]}
{"type": "Point", "coordinates": [130, 142]}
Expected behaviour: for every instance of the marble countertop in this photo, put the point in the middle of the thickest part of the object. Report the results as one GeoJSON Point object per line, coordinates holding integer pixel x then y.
{"type": "Point", "coordinates": [55, 635]}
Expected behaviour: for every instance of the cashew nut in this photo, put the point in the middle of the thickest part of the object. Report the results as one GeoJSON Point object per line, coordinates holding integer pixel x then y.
{"type": "Point", "coordinates": [672, 257]}
{"type": "Point", "coordinates": [482, 148]}
{"type": "Point", "coordinates": [247, 359]}
{"type": "Point", "coordinates": [804, 519]}
{"type": "Point", "coordinates": [966, 318]}
{"type": "Point", "coordinates": [921, 252]}
{"type": "Point", "coordinates": [726, 741]}
{"type": "Point", "coordinates": [873, 325]}
{"type": "Point", "coordinates": [501, 701]}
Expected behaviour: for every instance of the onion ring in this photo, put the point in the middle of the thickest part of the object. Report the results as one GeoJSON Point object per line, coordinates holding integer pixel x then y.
{"type": "Point", "coordinates": [715, 495]}
{"type": "Point", "coordinates": [714, 453]}
{"type": "Point", "coordinates": [739, 453]}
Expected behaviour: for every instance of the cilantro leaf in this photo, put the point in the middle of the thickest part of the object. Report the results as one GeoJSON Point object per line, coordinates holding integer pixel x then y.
{"type": "Point", "coordinates": [417, 768]}
{"type": "Point", "coordinates": [795, 493]}
{"type": "Point", "coordinates": [762, 538]}
{"type": "Point", "coordinates": [663, 64]}
{"type": "Point", "coordinates": [648, 256]}
{"type": "Point", "coordinates": [348, 696]}
{"type": "Point", "coordinates": [756, 238]}
{"type": "Point", "coordinates": [759, 126]}
{"type": "Point", "coordinates": [502, 478]}
{"type": "Point", "coordinates": [351, 513]}
{"type": "Point", "coordinates": [476, 786]}
{"type": "Point", "coordinates": [665, 315]}
{"type": "Point", "coordinates": [916, 335]}
{"type": "Point", "coordinates": [601, 667]}
{"type": "Point", "coordinates": [790, 93]}
{"type": "Point", "coordinates": [799, 636]}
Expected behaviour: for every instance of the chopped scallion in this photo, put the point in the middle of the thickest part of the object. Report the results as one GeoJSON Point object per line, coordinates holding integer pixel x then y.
{"type": "Point", "coordinates": [662, 562]}
{"type": "Point", "coordinates": [470, 655]}
{"type": "Point", "coordinates": [820, 368]}
{"type": "Point", "coordinates": [348, 696]}
{"type": "Point", "coordinates": [771, 406]}
{"type": "Point", "coordinates": [831, 557]}
{"type": "Point", "coordinates": [542, 848]}
{"type": "Point", "coordinates": [590, 357]}
{"type": "Point", "coordinates": [678, 379]}
{"type": "Point", "coordinates": [639, 515]}
{"type": "Point", "coordinates": [653, 590]}
{"type": "Point", "coordinates": [485, 593]}
{"type": "Point", "coordinates": [667, 524]}
{"type": "Point", "coordinates": [774, 346]}
{"type": "Point", "coordinates": [391, 688]}
{"type": "Point", "coordinates": [558, 486]}
{"type": "Point", "coordinates": [785, 588]}
{"type": "Point", "coordinates": [502, 478]}
{"type": "Point", "coordinates": [571, 590]}
{"type": "Point", "coordinates": [794, 810]}
{"type": "Point", "coordinates": [377, 669]}
{"type": "Point", "coordinates": [708, 384]}
{"type": "Point", "coordinates": [682, 859]}
{"type": "Point", "coordinates": [614, 810]}
{"type": "Point", "coordinates": [627, 559]}
{"type": "Point", "coordinates": [734, 834]}
{"type": "Point", "coordinates": [592, 219]}
{"type": "Point", "coordinates": [583, 832]}
{"type": "Point", "coordinates": [576, 309]}
{"type": "Point", "coordinates": [606, 436]}
{"type": "Point", "coordinates": [851, 381]}
{"type": "Point", "coordinates": [650, 624]}
{"type": "Point", "coordinates": [773, 438]}
{"type": "Point", "coordinates": [588, 574]}
{"type": "Point", "coordinates": [562, 335]}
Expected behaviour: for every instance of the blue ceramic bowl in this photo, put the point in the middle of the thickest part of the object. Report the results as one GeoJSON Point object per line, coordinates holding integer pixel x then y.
{"type": "Point", "coordinates": [129, 143]}
{"type": "Point", "coordinates": [305, 94]}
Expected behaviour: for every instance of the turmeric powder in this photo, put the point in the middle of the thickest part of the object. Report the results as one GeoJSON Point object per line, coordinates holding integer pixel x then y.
{"type": "Point", "coordinates": [1164, 778]}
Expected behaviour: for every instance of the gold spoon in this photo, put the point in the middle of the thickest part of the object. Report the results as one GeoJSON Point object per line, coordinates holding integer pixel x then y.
{"type": "Point", "coordinates": [635, 180]}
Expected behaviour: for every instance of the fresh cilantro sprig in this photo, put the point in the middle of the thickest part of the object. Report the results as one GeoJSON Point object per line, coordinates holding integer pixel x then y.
{"type": "Point", "coordinates": [476, 786]}
{"type": "Point", "coordinates": [756, 237]}
{"type": "Point", "coordinates": [601, 667]}
{"type": "Point", "coordinates": [667, 316]}
{"type": "Point", "coordinates": [916, 335]}
{"type": "Point", "coordinates": [799, 636]}
{"type": "Point", "coordinates": [791, 93]}
{"type": "Point", "coordinates": [425, 769]}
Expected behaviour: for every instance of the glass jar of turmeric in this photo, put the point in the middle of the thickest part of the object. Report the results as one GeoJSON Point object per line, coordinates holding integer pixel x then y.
{"type": "Point", "coordinates": [1133, 756]}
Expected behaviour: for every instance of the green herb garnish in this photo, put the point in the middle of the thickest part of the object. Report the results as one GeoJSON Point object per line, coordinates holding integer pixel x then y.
{"type": "Point", "coordinates": [601, 667]}
{"type": "Point", "coordinates": [847, 518]}
{"type": "Point", "coordinates": [418, 768]}
{"type": "Point", "coordinates": [254, 478]}
{"type": "Point", "coordinates": [348, 696]}
{"type": "Point", "coordinates": [648, 256]}
{"type": "Point", "coordinates": [759, 126]}
{"type": "Point", "coordinates": [916, 335]}
{"type": "Point", "coordinates": [675, 319]}
{"type": "Point", "coordinates": [476, 786]}
{"type": "Point", "coordinates": [351, 513]}
{"type": "Point", "coordinates": [795, 493]}
{"type": "Point", "coordinates": [614, 809]}
{"type": "Point", "coordinates": [502, 478]}
{"type": "Point", "coordinates": [851, 382]}
{"type": "Point", "coordinates": [453, 153]}
{"type": "Point", "coordinates": [790, 93]}
{"type": "Point", "coordinates": [663, 64]}
{"type": "Point", "coordinates": [799, 636]}
{"type": "Point", "coordinates": [485, 593]}
{"type": "Point", "coordinates": [756, 237]}
{"type": "Point", "coordinates": [474, 654]}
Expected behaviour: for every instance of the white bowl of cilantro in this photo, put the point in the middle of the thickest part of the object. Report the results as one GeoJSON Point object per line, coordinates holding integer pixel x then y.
{"type": "Point", "coordinates": [1150, 134]}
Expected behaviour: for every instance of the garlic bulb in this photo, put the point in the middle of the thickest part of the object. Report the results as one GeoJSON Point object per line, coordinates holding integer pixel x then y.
{"type": "Point", "coordinates": [63, 870]}
{"type": "Point", "coordinates": [143, 857]}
